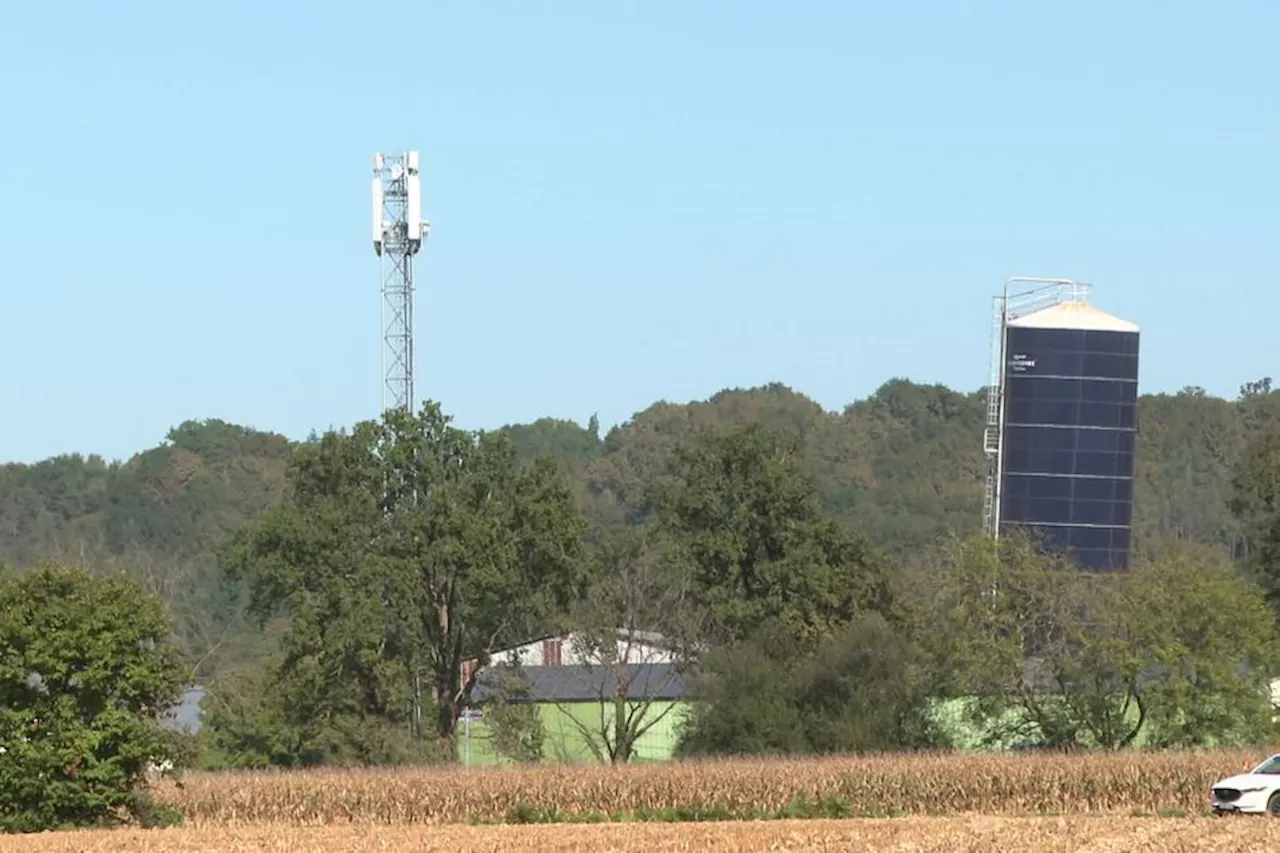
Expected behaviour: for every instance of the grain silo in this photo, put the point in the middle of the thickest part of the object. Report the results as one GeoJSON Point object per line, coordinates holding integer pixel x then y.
{"type": "Point", "coordinates": [1062, 422]}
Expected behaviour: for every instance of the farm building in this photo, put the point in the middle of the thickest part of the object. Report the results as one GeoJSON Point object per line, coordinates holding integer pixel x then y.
{"type": "Point", "coordinates": [577, 705]}
{"type": "Point", "coordinates": [576, 688]}
{"type": "Point", "coordinates": [574, 649]}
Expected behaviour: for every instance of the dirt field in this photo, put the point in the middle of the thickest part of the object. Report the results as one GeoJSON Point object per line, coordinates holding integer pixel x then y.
{"type": "Point", "coordinates": [915, 834]}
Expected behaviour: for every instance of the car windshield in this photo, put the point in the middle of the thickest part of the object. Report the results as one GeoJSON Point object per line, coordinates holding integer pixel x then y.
{"type": "Point", "coordinates": [1270, 767]}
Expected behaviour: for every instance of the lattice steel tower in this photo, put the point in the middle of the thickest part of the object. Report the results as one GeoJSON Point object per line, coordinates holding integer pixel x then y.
{"type": "Point", "coordinates": [398, 234]}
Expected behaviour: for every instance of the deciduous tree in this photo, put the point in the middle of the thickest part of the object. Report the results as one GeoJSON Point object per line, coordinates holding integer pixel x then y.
{"type": "Point", "coordinates": [86, 674]}
{"type": "Point", "coordinates": [1179, 649]}
{"type": "Point", "coordinates": [862, 688]}
{"type": "Point", "coordinates": [1256, 503]}
{"type": "Point", "coordinates": [514, 722]}
{"type": "Point", "coordinates": [760, 548]}
{"type": "Point", "coordinates": [638, 630]}
{"type": "Point", "coordinates": [404, 549]}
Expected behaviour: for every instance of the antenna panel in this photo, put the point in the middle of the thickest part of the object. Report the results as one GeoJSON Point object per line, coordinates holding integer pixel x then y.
{"type": "Point", "coordinates": [413, 210]}
{"type": "Point", "coordinates": [378, 228]}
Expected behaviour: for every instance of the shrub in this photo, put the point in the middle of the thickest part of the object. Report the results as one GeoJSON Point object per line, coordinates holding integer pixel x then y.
{"type": "Point", "coordinates": [86, 671]}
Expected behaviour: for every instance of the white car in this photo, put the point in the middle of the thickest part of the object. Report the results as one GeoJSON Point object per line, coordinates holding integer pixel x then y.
{"type": "Point", "coordinates": [1255, 792]}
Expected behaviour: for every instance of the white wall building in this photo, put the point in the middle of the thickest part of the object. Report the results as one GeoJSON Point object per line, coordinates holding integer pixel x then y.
{"type": "Point", "coordinates": [633, 647]}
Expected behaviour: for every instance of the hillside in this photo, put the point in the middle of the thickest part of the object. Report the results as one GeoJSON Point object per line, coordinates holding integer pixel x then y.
{"type": "Point", "coordinates": [905, 464]}
{"type": "Point", "coordinates": [902, 466]}
{"type": "Point", "coordinates": [163, 514]}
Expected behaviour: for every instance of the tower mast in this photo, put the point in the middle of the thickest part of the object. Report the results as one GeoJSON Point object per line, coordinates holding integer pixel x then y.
{"type": "Point", "coordinates": [398, 234]}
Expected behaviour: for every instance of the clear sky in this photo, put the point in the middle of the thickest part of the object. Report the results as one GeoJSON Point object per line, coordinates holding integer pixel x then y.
{"type": "Point", "coordinates": [630, 200]}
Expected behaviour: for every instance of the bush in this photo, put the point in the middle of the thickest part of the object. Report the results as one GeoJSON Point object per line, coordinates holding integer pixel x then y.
{"type": "Point", "coordinates": [86, 671]}
{"type": "Point", "coordinates": [515, 725]}
{"type": "Point", "coordinates": [862, 688]}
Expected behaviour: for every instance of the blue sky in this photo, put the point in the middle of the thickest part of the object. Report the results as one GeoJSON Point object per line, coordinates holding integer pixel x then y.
{"type": "Point", "coordinates": [630, 201]}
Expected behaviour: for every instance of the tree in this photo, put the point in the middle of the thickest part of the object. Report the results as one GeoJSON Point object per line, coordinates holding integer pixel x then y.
{"type": "Point", "coordinates": [403, 550]}
{"type": "Point", "coordinates": [900, 466]}
{"type": "Point", "coordinates": [865, 690]}
{"type": "Point", "coordinates": [1211, 649]}
{"type": "Point", "coordinates": [514, 723]}
{"type": "Point", "coordinates": [760, 548]}
{"type": "Point", "coordinates": [746, 700]}
{"type": "Point", "coordinates": [1178, 647]}
{"type": "Point", "coordinates": [636, 630]}
{"type": "Point", "coordinates": [247, 724]}
{"type": "Point", "coordinates": [1256, 503]}
{"type": "Point", "coordinates": [1257, 388]}
{"type": "Point", "coordinates": [341, 678]}
{"type": "Point", "coordinates": [1001, 622]}
{"type": "Point", "coordinates": [86, 674]}
{"type": "Point", "coordinates": [861, 689]}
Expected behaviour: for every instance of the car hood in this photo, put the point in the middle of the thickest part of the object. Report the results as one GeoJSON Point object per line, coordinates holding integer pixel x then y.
{"type": "Point", "coordinates": [1248, 780]}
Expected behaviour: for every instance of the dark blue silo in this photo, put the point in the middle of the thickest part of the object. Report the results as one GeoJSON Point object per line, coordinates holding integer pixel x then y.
{"type": "Point", "coordinates": [1069, 428]}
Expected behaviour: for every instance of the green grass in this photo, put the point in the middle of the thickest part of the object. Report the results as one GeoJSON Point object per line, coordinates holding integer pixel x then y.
{"type": "Point", "coordinates": [800, 808]}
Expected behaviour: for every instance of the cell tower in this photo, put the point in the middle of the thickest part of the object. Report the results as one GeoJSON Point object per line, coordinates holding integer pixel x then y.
{"type": "Point", "coordinates": [398, 234]}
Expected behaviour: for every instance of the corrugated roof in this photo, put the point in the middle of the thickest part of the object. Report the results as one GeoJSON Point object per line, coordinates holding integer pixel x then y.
{"type": "Point", "coordinates": [1073, 315]}
{"type": "Point", "coordinates": [591, 683]}
{"type": "Point", "coordinates": [648, 638]}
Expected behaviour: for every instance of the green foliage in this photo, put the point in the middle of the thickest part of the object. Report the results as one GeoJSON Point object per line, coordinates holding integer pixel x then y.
{"type": "Point", "coordinates": [1211, 650]}
{"type": "Point", "coordinates": [642, 609]}
{"type": "Point", "coordinates": [901, 468]}
{"type": "Point", "coordinates": [1180, 646]}
{"type": "Point", "coordinates": [514, 724]}
{"type": "Point", "coordinates": [862, 689]}
{"type": "Point", "coordinates": [1256, 503]}
{"type": "Point", "coordinates": [1015, 628]}
{"type": "Point", "coordinates": [161, 516]}
{"type": "Point", "coordinates": [643, 585]}
{"type": "Point", "coordinates": [287, 718]}
{"type": "Point", "coordinates": [561, 440]}
{"type": "Point", "coordinates": [86, 671]}
{"type": "Point", "coordinates": [760, 547]}
{"type": "Point", "coordinates": [746, 706]}
{"type": "Point", "coordinates": [402, 550]}
{"type": "Point", "coordinates": [246, 726]}
{"type": "Point", "coordinates": [802, 658]}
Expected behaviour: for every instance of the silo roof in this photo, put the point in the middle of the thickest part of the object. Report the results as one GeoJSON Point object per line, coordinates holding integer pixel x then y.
{"type": "Point", "coordinates": [1073, 315]}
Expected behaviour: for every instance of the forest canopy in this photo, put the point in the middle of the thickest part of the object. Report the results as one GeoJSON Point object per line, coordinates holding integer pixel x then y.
{"type": "Point", "coordinates": [900, 468]}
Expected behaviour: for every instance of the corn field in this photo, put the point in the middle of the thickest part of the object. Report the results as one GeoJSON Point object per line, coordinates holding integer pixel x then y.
{"type": "Point", "coordinates": [864, 786]}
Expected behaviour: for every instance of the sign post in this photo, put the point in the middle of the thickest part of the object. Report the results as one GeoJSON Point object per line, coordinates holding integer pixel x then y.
{"type": "Point", "coordinates": [469, 715]}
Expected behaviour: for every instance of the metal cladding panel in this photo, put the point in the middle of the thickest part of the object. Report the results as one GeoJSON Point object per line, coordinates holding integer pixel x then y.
{"type": "Point", "coordinates": [413, 207]}
{"type": "Point", "coordinates": [1068, 441]}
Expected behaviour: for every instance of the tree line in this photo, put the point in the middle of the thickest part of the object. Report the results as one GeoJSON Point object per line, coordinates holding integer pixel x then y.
{"type": "Point", "coordinates": [819, 578]}
{"type": "Point", "coordinates": [901, 467]}
{"type": "Point", "coordinates": [410, 546]}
